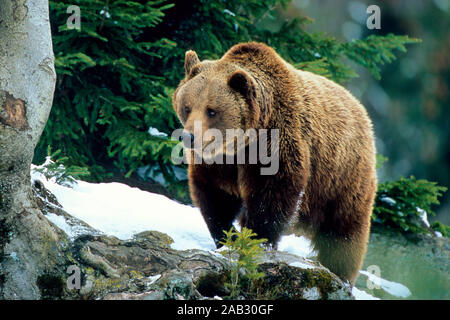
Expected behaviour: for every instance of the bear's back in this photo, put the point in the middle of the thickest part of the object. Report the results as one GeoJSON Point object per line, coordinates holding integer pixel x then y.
{"type": "Point", "coordinates": [336, 125]}
{"type": "Point", "coordinates": [332, 108]}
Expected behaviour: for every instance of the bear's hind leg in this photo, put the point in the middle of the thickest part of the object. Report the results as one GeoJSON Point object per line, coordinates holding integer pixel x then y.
{"type": "Point", "coordinates": [342, 255]}
{"type": "Point", "coordinates": [343, 232]}
{"type": "Point", "coordinates": [341, 240]}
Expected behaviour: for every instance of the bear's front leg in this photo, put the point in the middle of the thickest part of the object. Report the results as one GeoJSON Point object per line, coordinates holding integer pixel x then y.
{"type": "Point", "coordinates": [272, 202]}
{"type": "Point", "coordinates": [219, 208]}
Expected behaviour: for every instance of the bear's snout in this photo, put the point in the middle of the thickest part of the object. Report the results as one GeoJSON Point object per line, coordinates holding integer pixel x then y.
{"type": "Point", "coordinates": [188, 139]}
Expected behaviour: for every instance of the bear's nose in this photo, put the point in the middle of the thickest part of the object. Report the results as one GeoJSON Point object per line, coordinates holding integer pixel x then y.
{"type": "Point", "coordinates": [188, 139]}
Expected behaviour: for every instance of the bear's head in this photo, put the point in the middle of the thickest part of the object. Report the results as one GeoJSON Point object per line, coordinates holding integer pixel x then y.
{"type": "Point", "coordinates": [218, 98]}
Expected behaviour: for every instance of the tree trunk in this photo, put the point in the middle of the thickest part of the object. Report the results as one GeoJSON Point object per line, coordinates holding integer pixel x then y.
{"type": "Point", "coordinates": [29, 245]}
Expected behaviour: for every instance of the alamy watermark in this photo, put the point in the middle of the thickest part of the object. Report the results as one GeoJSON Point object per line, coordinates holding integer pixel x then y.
{"type": "Point", "coordinates": [374, 20]}
{"type": "Point", "coordinates": [74, 278]}
{"type": "Point", "coordinates": [234, 146]}
{"type": "Point", "coordinates": [373, 274]}
{"type": "Point", "coordinates": [74, 20]}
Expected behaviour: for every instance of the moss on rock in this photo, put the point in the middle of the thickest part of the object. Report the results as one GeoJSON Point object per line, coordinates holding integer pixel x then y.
{"type": "Point", "coordinates": [51, 286]}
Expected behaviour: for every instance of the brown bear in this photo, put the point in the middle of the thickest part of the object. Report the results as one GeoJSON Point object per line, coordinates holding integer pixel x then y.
{"type": "Point", "coordinates": [326, 180]}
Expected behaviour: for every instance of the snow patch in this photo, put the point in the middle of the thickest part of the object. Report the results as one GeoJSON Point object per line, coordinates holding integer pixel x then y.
{"type": "Point", "coordinates": [388, 200]}
{"type": "Point", "coordinates": [153, 279]}
{"type": "Point", "coordinates": [229, 12]}
{"type": "Point", "coordinates": [423, 216]}
{"type": "Point", "coordinates": [122, 211]}
{"type": "Point", "coordinates": [311, 294]}
{"type": "Point", "coordinates": [362, 295]}
{"type": "Point", "coordinates": [72, 231]}
{"type": "Point", "coordinates": [156, 133]}
{"type": "Point", "coordinates": [299, 246]}
{"type": "Point", "coordinates": [105, 13]}
{"type": "Point", "coordinates": [393, 288]}
{"type": "Point", "coordinates": [299, 264]}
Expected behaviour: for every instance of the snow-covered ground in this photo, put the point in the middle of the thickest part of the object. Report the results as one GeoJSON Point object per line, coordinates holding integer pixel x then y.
{"type": "Point", "coordinates": [122, 211]}
{"type": "Point", "coordinates": [394, 288]}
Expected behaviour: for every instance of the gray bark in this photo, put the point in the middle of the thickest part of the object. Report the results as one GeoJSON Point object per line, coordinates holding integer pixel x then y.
{"type": "Point", "coordinates": [29, 245]}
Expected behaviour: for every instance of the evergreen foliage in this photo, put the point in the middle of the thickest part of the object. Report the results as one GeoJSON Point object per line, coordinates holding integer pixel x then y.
{"type": "Point", "coordinates": [244, 251]}
{"type": "Point", "coordinates": [442, 228]}
{"type": "Point", "coordinates": [104, 99]}
{"type": "Point", "coordinates": [399, 204]}
{"type": "Point", "coordinates": [54, 169]}
{"type": "Point", "coordinates": [117, 73]}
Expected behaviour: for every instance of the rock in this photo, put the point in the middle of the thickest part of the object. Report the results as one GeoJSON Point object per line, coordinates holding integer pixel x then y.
{"type": "Point", "coordinates": [147, 268]}
{"type": "Point", "coordinates": [125, 269]}
{"type": "Point", "coordinates": [283, 281]}
{"type": "Point", "coordinates": [54, 212]}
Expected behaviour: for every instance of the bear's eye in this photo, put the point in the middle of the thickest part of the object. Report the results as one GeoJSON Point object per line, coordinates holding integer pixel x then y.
{"type": "Point", "coordinates": [187, 110]}
{"type": "Point", "coordinates": [211, 113]}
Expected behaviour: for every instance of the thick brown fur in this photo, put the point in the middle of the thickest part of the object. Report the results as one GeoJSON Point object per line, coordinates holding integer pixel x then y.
{"type": "Point", "coordinates": [326, 181]}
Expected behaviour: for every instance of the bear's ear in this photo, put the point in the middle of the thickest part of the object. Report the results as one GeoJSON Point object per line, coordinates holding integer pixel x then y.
{"type": "Point", "coordinates": [245, 85]}
{"type": "Point", "coordinates": [242, 83]}
{"type": "Point", "coordinates": [190, 60]}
